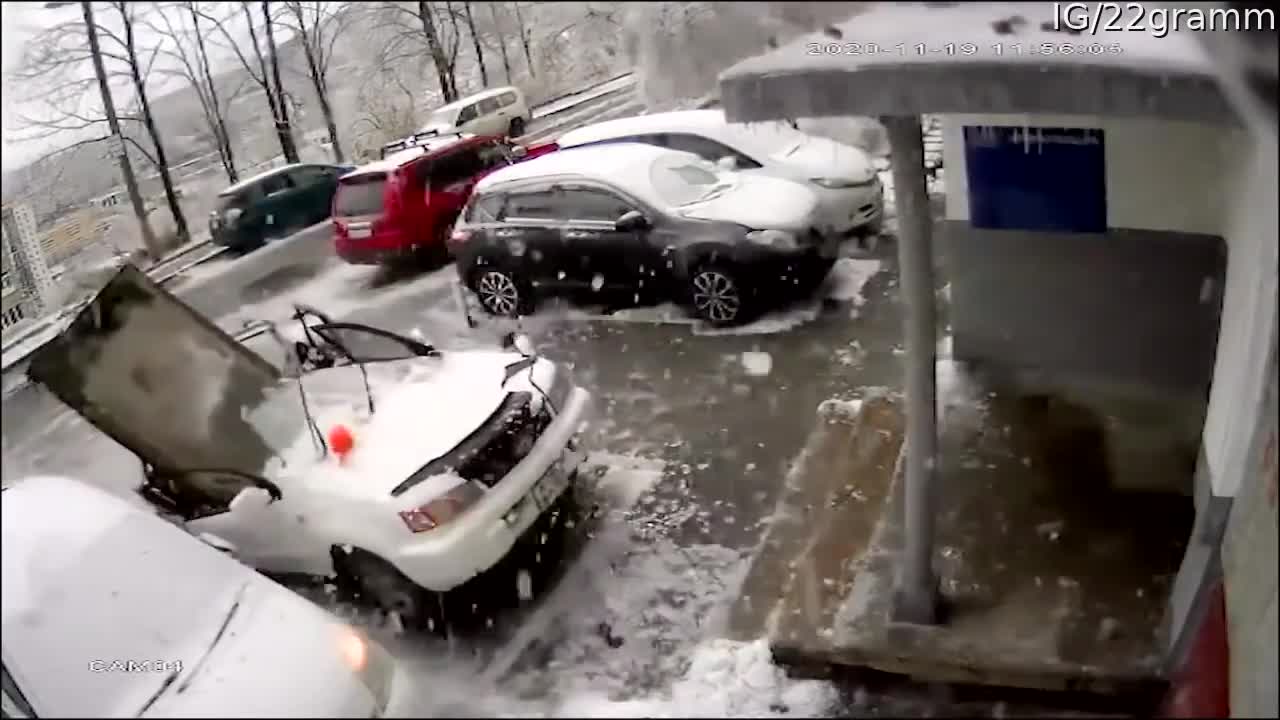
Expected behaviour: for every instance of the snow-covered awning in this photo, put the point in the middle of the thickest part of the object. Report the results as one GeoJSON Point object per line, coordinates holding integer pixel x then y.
{"type": "Point", "coordinates": [900, 59]}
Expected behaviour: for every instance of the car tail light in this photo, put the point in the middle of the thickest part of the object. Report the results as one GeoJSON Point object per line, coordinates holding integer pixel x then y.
{"type": "Point", "coordinates": [459, 236]}
{"type": "Point", "coordinates": [444, 509]}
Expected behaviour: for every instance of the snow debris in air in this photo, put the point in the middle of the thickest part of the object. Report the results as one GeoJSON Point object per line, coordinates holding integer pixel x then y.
{"type": "Point", "coordinates": [757, 363]}
{"type": "Point", "coordinates": [847, 278]}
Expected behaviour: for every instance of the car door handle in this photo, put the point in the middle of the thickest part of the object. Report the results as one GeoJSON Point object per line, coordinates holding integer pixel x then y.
{"type": "Point", "coordinates": [507, 233]}
{"type": "Point", "coordinates": [578, 234]}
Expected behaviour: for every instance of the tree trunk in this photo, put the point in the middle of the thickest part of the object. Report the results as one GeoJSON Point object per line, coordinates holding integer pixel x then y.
{"type": "Point", "coordinates": [283, 128]}
{"type": "Point", "coordinates": [113, 122]}
{"type": "Point", "coordinates": [453, 49]}
{"type": "Point", "coordinates": [264, 81]}
{"type": "Point", "coordinates": [222, 137]}
{"type": "Point", "coordinates": [502, 41]}
{"type": "Point", "coordinates": [321, 85]}
{"type": "Point", "coordinates": [438, 59]}
{"type": "Point", "coordinates": [524, 40]}
{"type": "Point", "coordinates": [475, 43]}
{"type": "Point", "coordinates": [182, 233]}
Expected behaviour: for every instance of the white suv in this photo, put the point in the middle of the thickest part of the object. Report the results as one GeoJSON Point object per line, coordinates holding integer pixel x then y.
{"type": "Point", "coordinates": [500, 111]}
{"type": "Point", "coordinates": [400, 471]}
{"type": "Point", "coordinates": [850, 195]}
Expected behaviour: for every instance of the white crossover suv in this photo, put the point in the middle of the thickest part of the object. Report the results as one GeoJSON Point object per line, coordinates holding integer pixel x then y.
{"type": "Point", "coordinates": [397, 470]}
{"type": "Point", "coordinates": [849, 191]}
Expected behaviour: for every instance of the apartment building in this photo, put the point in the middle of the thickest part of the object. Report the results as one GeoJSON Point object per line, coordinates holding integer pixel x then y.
{"type": "Point", "coordinates": [24, 257]}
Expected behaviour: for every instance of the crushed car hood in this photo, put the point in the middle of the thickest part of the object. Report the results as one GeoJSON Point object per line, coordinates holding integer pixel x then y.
{"type": "Point", "coordinates": [423, 408]}
{"type": "Point", "coordinates": [159, 378]}
{"type": "Point", "coordinates": [761, 203]}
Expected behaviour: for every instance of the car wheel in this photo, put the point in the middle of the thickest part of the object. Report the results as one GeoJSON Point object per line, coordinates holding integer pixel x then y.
{"type": "Point", "coordinates": [517, 127]}
{"type": "Point", "coordinates": [716, 295]}
{"type": "Point", "coordinates": [380, 582]}
{"type": "Point", "coordinates": [501, 293]}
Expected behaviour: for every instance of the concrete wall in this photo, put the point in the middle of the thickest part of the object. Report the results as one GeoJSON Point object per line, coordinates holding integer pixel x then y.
{"type": "Point", "coordinates": [1248, 318]}
{"type": "Point", "coordinates": [1125, 322]}
{"type": "Point", "coordinates": [1249, 571]}
{"type": "Point", "coordinates": [1138, 305]}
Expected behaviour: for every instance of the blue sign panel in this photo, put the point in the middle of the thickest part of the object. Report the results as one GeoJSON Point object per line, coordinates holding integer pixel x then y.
{"type": "Point", "coordinates": [1033, 178]}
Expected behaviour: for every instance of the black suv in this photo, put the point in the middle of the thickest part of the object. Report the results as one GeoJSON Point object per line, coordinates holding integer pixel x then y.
{"type": "Point", "coordinates": [637, 220]}
{"type": "Point", "coordinates": [274, 204]}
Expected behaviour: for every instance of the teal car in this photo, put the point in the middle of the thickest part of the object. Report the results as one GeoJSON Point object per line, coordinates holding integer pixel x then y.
{"type": "Point", "coordinates": [274, 204]}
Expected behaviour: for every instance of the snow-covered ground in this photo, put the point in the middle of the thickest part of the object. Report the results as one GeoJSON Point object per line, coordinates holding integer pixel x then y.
{"type": "Point", "coordinates": [843, 285]}
{"type": "Point", "coordinates": [633, 629]}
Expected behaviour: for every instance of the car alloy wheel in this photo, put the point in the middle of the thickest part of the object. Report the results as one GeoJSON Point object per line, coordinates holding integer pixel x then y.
{"type": "Point", "coordinates": [716, 296]}
{"type": "Point", "coordinates": [498, 293]}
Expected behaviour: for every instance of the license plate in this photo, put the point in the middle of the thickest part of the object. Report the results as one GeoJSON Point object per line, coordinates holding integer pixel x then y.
{"type": "Point", "coordinates": [549, 487]}
{"type": "Point", "coordinates": [359, 233]}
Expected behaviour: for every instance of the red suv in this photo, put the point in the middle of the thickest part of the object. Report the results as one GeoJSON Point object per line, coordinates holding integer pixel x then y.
{"type": "Point", "coordinates": [404, 205]}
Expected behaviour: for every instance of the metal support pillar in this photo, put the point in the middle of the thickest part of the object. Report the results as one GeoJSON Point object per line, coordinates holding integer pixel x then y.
{"type": "Point", "coordinates": [916, 598]}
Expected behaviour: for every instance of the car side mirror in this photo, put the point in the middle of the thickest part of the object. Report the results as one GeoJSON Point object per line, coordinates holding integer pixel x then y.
{"type": "Point", "coordinates": [630, 221]}
{"type": "Point", "coordinates": [727, 162]}
{"type": "Point", "coordinates": [250, 499]}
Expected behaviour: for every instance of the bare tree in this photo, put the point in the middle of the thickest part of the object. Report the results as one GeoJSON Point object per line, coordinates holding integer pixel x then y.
{"type": "Point", "coordinates": [386, 112]}
{"type": "Point", "coordinates": [51, 74]}
{"type": "Point", "coordinates": [259, 71]}
{"type": "Point", "coordinates": [526, 38]}
{"type": "Point", "coordinates": [317, 28]}
{"type": "Point", "coordinates": [502, 39]}
{"type": "Point", "coordinates": [413, 30]}
{"type": "Point", "coordinates": [185, 45]}
{"type": "Point", "coordinates": [287, 144]}
{"type": "Point", "coordinates": [475, 43]}
{"type": "Point", "coordinates": [130, 45]}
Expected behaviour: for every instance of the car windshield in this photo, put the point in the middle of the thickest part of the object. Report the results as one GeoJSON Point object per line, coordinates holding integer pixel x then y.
{"type": "Point", "coordinates": [682, 180]}
{"type": "Point", "coordinates": [443, 117]}
{"type": "Point", "coordinates": [758, 139]}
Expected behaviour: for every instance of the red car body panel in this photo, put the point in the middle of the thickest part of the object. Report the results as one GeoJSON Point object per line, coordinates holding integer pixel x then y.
{"type": "Point", "coordinates": [401, 214]}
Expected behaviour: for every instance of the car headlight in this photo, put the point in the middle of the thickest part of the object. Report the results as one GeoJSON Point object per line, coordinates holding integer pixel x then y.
{"type": "Point", "coordinates": [443, 510]}
{"type": "Point", "coordinates": [369, 661]}
{"type": "Point", "coordinates": [777, 239]}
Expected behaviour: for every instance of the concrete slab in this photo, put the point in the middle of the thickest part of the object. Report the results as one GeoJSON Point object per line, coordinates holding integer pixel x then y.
{"type": "Point", "coordinates": [1054, 580]}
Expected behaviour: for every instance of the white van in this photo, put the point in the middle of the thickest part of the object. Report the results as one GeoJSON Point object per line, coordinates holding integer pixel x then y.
{"type": "Point", "coordinates": [110, 611]}
{"type": "Point", "coordinates": [501, 111]}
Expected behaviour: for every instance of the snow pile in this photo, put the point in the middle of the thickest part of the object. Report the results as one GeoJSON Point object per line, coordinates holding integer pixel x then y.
{"type": "Point", "coordinates": [847, 278]}
{"type": "Point", "coordinates": [757, 363]}
{"type": "Point", "coordinates": [724, 679]}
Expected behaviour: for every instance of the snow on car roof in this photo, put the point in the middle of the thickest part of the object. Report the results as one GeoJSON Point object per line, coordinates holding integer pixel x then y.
{"type": "Point", "coordinates": [707, 120]}
{"type": "Point", "coordinates": [478, 96]}
{"type": "Point", "coordinates": [397, 159]}
{"type": "Point", "coordinates": [247, 182]}
{"type": "Point", "coordinates": [624, 164]}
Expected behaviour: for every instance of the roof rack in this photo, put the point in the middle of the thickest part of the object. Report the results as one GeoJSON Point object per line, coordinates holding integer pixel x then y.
{"type": "Point", "coordinates": [416, 140]}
